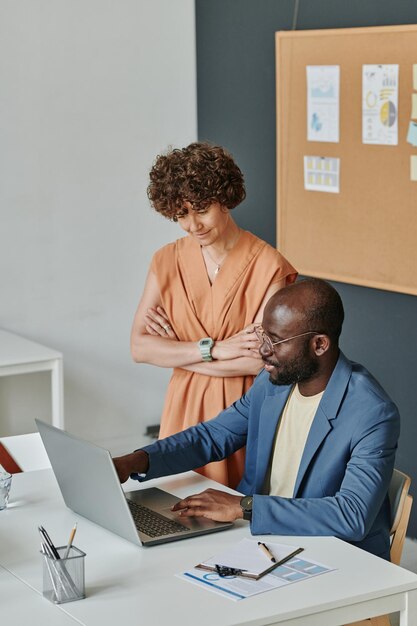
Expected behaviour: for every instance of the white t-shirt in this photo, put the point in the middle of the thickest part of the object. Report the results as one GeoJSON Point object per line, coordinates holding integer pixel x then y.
{"type": "Point", "coordinates": [292, 433]}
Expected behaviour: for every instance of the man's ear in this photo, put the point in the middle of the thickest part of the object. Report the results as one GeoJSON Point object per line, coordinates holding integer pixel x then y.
{"type": "Point", "coordinates": [321, 343]}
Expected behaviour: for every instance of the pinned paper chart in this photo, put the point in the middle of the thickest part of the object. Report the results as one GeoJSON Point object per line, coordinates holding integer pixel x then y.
{"type": "Point", "coordinates": [380, 104]}
{"type": "Point", "coordinates": [321, 174]}
{"type": "Point", "coordinates": [323, 102]}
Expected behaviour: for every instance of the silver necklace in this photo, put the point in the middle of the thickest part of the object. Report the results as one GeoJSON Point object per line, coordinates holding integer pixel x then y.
{"type": "Point", "coordinates": [218, 264]}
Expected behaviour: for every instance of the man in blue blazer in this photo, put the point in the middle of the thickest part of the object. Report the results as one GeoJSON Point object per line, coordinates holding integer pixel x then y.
{"type": "Point", "coordinates": [320, 434]}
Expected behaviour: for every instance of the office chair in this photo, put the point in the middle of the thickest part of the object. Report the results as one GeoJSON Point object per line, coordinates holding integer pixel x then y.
{"type": "Point", "coordinates": [401, 502]}
{"type": "Point", "coordinates": [7, 461]}
{"type": "Point", "coordinates": [23, 453]}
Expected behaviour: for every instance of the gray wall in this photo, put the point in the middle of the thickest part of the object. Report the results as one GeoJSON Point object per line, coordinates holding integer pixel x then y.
{"type": "Point", "coordinates": [236, 108]}
{"type": "Point", "coordinates": [91, 91]}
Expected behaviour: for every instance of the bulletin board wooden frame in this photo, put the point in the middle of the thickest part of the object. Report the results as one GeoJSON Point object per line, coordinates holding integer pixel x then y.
{"type": "Point", "coordinates": [366, 234]}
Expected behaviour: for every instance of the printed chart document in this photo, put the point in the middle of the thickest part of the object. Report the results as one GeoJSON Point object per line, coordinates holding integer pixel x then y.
{"type": "Point", "coordinates": [322, 174]}
{"type": "Point", "coordinates": [297, 569]}
{"type": "Point", "coordinates": [323, 87]}
{"type": "Point", "coordinates": [380, 104]}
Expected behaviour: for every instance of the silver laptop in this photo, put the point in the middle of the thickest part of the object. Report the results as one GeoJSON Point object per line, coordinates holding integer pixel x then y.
{"type": "Point", "coordinates": [90, 486]}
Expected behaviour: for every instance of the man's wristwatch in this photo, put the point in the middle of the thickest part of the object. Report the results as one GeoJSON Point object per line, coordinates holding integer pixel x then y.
{"type": "Point", "coordinates": [246, 506]}
{"type": "Point", "coordinates": [205, 346]}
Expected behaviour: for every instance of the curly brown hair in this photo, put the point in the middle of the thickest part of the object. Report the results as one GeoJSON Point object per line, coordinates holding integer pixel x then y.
{"type": "Point", "coordinates": [200, 174]}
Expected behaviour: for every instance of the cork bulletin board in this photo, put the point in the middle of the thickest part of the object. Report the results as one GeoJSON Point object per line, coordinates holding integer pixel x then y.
{"type": "Point", "coordinates": [367, 233]}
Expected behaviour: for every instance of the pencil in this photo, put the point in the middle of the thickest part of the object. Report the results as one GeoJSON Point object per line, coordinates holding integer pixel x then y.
{"type": "Point", "coordinates": [70, 540]}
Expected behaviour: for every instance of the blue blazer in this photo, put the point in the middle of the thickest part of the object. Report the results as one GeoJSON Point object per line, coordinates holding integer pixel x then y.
{"type": "Point", "coordinates": [345, 470]}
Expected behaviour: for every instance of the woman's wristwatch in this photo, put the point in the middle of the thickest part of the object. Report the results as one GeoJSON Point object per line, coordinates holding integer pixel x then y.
{"type": "Point", "coordinates": [246, 505]}
{"type": "Point", "coordinates": [205, 345]}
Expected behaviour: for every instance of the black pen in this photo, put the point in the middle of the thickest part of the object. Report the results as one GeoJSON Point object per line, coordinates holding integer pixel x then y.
{"type": "Point", "coordinates": [49, 542]}
{"type": "Point", "coordinates": [267, 551]}
{"type": "Point", "coordinates": [46, 549]}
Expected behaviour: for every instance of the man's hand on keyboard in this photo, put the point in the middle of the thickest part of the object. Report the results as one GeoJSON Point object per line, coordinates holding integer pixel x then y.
{"type": "Point", "coordinates": [213, 504]}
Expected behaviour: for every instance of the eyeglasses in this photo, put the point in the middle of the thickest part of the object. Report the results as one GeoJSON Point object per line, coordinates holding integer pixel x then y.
{"type": "Point", "coordinates": [264, 338]}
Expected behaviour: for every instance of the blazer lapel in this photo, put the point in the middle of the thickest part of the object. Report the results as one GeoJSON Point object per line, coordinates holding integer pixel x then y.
{"type": "Point", "coordinates": [326, 412]}
{"type": "Point", "coordinates": [271, 411]}
{"type": "Point", "coordinates": [318, 431]}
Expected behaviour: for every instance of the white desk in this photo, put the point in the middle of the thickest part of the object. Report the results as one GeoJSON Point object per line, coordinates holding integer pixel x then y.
{"type": "Point", "coordinates": [125, 582]}
{"type": "Point", "coordinates": [21, 356]}
{"type": "Point", "coordinates": [22, 604]}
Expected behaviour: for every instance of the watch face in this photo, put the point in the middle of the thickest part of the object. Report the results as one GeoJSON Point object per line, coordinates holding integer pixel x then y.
{"type": "Point", "coordinates": [205, 346]}
{"type": "Point", "coordinates": [246, 503]}
{"type": "Point", "coordinates": [246, 506]}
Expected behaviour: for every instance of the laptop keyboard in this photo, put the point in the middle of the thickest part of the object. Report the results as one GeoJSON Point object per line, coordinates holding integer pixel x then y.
{"type": "Point", "coordinates": [152, 523]}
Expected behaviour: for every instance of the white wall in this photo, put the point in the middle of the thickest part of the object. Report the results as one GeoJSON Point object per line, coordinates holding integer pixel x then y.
{"type": "Point", "coordinates": [91, 91]}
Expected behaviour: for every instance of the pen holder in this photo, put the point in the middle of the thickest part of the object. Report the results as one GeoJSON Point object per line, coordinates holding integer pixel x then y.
{"type": "Point", "coordinates": [63, 579]}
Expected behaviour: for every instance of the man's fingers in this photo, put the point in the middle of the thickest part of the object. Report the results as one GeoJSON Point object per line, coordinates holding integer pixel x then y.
{"type": "Point", "coordinates": [195, 511]}
{"type": "Point", "coordinates": [212, 504]}
{"type": "Point", "coordinates": [197, 499]}
{"type": "Point", "coordinates": [178, 506]}
{"type": "Point", "coordinates": [194, 506]}
{"type": "Point", "coordinates": [183, 504]}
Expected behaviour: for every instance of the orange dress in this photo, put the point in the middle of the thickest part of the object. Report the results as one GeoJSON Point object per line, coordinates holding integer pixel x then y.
{"type": "Point", "coordinates": [197, 309]}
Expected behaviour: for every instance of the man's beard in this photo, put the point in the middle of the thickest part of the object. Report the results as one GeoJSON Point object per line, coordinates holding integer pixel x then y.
{"type": "Point", "coordinates": [301, 367]}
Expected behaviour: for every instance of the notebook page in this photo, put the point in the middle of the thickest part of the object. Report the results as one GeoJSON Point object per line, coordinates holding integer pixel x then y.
{"type": "Point", "coordinates": [247, 555]}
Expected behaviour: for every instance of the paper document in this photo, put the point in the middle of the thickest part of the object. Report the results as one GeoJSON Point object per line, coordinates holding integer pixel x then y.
{"type": "Point", "coordinates": [249, 558]}
{"type": "Point", "coordinates": [295, 570]}
{"type": "Point", "coordinates": [322, 174]}
{"type": "Point", "coordinates": [380, 104]}
{"type": "Point", "coordinates": [323, 87]}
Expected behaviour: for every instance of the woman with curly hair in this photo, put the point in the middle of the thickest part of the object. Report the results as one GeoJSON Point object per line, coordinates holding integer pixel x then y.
{"type": "Point", "coordinates": [204, 293]}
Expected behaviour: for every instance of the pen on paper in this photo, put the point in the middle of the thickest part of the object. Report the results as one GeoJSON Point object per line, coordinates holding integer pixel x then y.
{"type": "Point", "coordinates": [267, 551]}
{"type": "Point", "coordinates": [70, 540]}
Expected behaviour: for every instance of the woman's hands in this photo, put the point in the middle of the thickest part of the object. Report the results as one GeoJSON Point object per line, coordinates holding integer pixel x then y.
{"type": "Point", "coordinates": [157, 323]}
{"type": "Point", "coordinates": [242, 344]}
